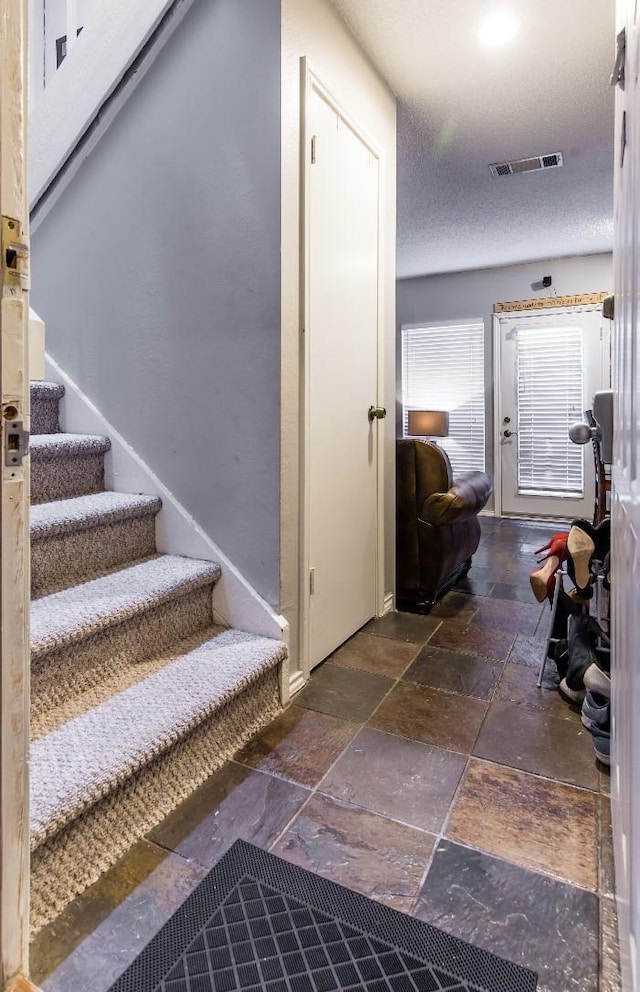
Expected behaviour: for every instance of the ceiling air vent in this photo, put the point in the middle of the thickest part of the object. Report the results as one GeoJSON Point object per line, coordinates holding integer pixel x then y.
{"type": "Point", "coordinates": [552, 161]}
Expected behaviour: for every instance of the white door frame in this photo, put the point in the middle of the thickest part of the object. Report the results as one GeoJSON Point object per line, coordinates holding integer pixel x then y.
{"type": "Point", "coordinates": [14, 502]}
{"type": "Point", "coordinates": [310, 81]}
{"type": "Point", "coordinates": [497, 379]}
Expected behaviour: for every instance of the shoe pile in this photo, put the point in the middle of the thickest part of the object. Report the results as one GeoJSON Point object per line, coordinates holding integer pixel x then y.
{"type": "Point", "coordinates": [595, 717]}
{"type": "Point", "coordinates": [586, 546]}
{"type": "Point", "coordinates": [582, 646]}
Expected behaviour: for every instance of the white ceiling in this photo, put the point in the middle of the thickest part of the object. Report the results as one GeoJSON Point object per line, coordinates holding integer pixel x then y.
{"type": "Point", "coordinates": [462, 106]}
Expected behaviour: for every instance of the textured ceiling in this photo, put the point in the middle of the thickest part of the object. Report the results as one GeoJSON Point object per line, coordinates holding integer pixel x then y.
{"type": "Point", "coordinates": [462, 106]}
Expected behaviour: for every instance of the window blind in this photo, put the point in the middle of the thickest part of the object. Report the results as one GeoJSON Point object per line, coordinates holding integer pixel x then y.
{"type": "Point", "coordinates": [549, 383]}
{"type": "Point", "coordinates": [443, 369]}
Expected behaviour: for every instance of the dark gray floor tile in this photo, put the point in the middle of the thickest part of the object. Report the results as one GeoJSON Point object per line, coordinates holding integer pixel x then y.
{"type": "Point", "coordinates": [518, 592]}
{"type": "Point", "coordinates": [455, 672]}
{"type": "Point", "coordinates": [378, 655]}
{"type": "Point", "coordinates": [539, 743]}
{"type": "Point", "coordinates": [235, 803]}
{"type": "Point", "coordinates": [518, 685]}
{"type": "Point", "coordinates": [361, 850]}
{"type": "Point", "coordinates": [610, 978]}
{"type": "Point", "coordinates": [403, 779]}
{"type": "Point", "coordinates": [507, 615]}
{"type": "Point", "coordinates": [494, 645]}
{"type": "Point", "coordinates": [455, 605]}
{"type": "Point", "coordinates": [403, 627]}
{"type": "Point", "coordinates": [344, 692]}
{"type": "Point", "coordinates": [529, 651]}
{"type": "Point", "coordinates": [519, 914]}
{"type": "Point", "coordinates": [100, 933]}
{"type": "Point", "coordinates": [299, 745]}
{"type": "Point", "coordinates": [431, 716]}
{"type": "Point", "coordinates": [476, 583]}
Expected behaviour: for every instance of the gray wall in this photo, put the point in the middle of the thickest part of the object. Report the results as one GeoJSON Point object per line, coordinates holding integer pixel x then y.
{"type": "Point", "coordinates": [158, 276]}
{"type": "Point", "coordinates": [471, 295]}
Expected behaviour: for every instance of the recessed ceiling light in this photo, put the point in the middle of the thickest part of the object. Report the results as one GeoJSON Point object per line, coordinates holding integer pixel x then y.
{"type": "Point", "coordinates": [499, 28]}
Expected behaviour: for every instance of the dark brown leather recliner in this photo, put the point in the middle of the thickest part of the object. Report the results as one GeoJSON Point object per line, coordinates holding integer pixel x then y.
{"type": "Point", "coordinates": [437, 522]}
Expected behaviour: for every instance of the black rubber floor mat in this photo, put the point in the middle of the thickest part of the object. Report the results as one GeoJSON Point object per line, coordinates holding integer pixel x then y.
{"type": "Point", "coordinates": [258, 923]}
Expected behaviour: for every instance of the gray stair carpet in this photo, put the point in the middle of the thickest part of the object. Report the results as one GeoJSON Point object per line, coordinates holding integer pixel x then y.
{"type": "Point", "coordinates": [75, 539]}
{"type": "Point", "coordinates": [45, 397]}
{"type": "Point", "coordinates": [69, 616]}
{"type": "Point", "coordinates": [65, 465]}
{"type": "Point", "coordinates": [136, 696]}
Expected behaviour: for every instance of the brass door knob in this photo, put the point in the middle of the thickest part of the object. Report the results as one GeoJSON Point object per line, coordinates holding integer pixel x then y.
{"type": "Point", "coordinates": [377, 413]}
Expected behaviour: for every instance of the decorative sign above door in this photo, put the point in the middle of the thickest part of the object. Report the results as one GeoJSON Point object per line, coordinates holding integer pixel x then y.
{"type": "Point", "coordinates": [550, 301]}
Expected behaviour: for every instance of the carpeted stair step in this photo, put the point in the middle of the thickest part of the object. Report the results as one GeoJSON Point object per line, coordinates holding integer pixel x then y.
{"type": "Point", "coordinates": [87, 632]}
{"type": "Point", "coordinates": [102, 780]}
{"type": "Point", "coordinates": [66, 465]}
{"type": "Point", "coordinates": [45, 397]}
{"type": "Point", "coordinates": [75, 539]}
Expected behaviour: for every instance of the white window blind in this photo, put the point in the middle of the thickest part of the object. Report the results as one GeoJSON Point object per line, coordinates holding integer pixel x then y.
{"type": "Point", "coordinates": [549, 382]}
{"type": "Point", "coordinates": [443, 369]}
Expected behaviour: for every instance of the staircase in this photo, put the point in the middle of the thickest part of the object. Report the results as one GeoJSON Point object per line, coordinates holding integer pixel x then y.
{"type": "Point", "coordinates": [136, 695]}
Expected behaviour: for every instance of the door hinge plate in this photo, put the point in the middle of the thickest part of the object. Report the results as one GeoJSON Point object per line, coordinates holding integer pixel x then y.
{"type": "Point", "coordinates": [15, 255]}
{"type": "Point", "coordinates": [617, 76]}
{"type": "Point", "coordinates": [313, 150]}
{"type": "Point", "coordinates": [312, 581]}
{"type": "Point", "coordinates": [16, 443]}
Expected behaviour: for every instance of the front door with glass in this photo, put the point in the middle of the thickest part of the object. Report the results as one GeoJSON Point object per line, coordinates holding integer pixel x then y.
{"type": "Point", "coordinates": [550, 365]}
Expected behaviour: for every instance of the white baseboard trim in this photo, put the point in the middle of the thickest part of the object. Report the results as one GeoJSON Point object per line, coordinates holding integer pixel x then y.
{"type": "Point", "coordinates": [235, 601]}
{"type": "Point", "coordinates": [388, 606]}
{"type": "Point", "coordinates": [36, 346]}
{"type": "Point", "coordinates": [297, 681]}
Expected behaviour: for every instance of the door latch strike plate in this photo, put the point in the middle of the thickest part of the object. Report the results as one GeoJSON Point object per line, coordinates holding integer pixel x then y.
{"type": "Point", "coordinates": [15, 254]}
{"type": "Point", "coordinates": [16, 443]}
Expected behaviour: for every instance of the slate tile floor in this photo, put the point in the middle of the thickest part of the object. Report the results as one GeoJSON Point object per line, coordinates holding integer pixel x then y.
{"type": "Point", "coordinates": [422, 767]}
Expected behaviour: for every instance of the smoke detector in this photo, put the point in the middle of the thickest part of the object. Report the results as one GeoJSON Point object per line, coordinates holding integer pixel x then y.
{"type": "Point", "coordinates": [552, 161]}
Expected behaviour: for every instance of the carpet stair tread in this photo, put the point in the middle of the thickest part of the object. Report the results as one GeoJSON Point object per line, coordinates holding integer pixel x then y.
{"type": "Point", "coordinates": [91, 755]}
{"type": "Point", "coordinates": [115, 680]}
{"type": "Point", "coordinates": [45, 399]}
{"type": "Point", "coordinates": [67, 617]}
{"type": "Point", "coordinates": [42, 389]}
{"type": "Point", "coordinates": [93, 510]}
{"type": "Point", "coordinates": [47, 447]}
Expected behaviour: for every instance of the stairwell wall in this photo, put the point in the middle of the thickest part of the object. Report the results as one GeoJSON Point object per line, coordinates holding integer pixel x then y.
{"type": "Point", "coordinates": [158, 275]}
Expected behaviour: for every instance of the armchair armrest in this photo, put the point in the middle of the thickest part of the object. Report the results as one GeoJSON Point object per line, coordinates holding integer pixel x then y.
{"type": "Point", "coordinates": [464, 500]}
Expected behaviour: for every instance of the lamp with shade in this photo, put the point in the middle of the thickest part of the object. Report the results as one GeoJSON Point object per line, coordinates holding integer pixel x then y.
{"type": "Point", "coordinates": [428, 423]}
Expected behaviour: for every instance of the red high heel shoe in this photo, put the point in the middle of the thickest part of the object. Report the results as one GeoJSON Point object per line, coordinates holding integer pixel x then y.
{"type": "Point", "coordinates": [562, 537]}
{"type": "Point", "coordinates": [544, 579]}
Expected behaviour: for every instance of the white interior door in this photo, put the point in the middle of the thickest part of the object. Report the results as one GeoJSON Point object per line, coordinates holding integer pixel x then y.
{"type": "Point", "coordinates": [550, 366]}
{"type": "Point", "coordinates": [341, 456]}
{"type": "Point", "coordinates": [625, 509]}
{"type": "Point", "coordinates": [14, 498]}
